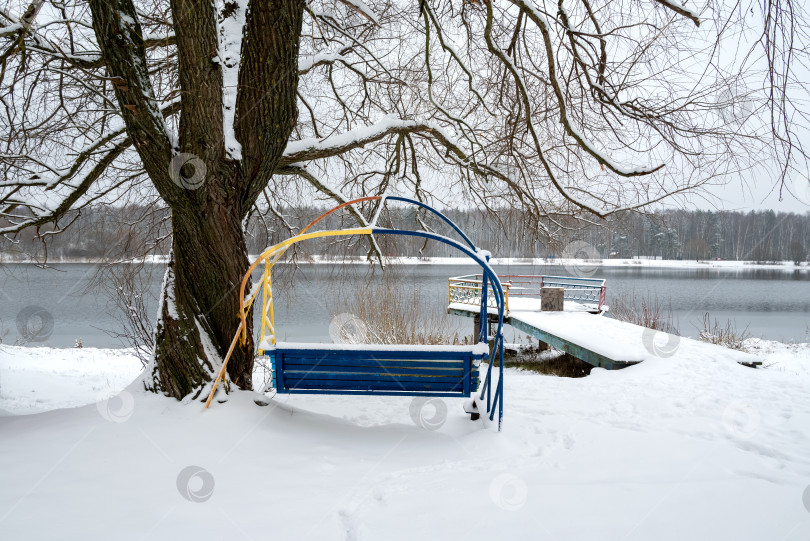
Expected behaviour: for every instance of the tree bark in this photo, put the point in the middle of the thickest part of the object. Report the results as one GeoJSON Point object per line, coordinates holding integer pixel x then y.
{"type": "Point", "coordinates": [120, 38]}
{"type": "Point", "coordinates": [198, 313]}
{"type": "Point", "coordinates": [200, 303]}
{"type": "Point", "coordinates": [267, 102]}
{"type": "Point", "coordinates": [200, 306]}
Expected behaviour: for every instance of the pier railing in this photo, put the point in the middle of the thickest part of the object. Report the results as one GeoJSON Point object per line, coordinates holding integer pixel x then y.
{"type": "Point", "coordinates": [467, 289]}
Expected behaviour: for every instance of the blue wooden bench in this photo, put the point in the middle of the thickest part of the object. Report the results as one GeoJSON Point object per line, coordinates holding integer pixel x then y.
{"type": "Point", "coordinates": [371, 369]}
{"type": "Point", "coordinates": [375, 369]}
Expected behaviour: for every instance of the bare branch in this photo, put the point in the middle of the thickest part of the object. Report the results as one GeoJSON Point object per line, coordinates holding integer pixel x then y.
{"type": "Point", "coordinates": [374, 249]}
{"type": "Point", "coordinates": [680, 9]}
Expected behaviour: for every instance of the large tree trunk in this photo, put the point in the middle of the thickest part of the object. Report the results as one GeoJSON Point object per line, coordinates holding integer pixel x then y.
{"type": "Point", "coordinates": [199, 309]}
{"type": "Point", "coordinates": [200, 303]}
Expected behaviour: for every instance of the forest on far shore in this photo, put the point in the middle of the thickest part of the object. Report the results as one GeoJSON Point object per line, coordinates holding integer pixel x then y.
{"type": "Point", "coordinates": [109, 232]}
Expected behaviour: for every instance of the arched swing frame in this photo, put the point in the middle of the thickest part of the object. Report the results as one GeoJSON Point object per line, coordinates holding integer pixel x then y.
{"type": "Point", "coordinates": [272, 255]}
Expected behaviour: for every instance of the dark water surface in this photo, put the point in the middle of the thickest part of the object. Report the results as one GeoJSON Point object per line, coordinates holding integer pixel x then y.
{"type": "Point", "coordinates": [774, 304]}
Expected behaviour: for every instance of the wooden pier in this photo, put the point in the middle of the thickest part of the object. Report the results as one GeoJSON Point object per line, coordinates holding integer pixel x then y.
{"type": "Point", "coordinates": [600, 340]}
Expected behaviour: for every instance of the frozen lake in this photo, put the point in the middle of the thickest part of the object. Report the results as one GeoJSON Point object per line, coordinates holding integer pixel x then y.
{"type": "Point", "coordinates": [774, 304]}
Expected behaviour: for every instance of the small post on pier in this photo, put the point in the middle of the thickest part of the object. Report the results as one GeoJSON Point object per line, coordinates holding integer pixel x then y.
{"type": "Point", "coordinates": [552, 299]}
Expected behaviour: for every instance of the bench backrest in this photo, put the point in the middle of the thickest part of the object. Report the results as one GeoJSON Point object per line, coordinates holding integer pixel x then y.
{"type": "Point", "coordinates": [420, 371]}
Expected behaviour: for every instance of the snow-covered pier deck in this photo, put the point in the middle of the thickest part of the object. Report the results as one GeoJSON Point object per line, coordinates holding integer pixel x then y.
{"type": "Point", "coordinates": [600, 340]}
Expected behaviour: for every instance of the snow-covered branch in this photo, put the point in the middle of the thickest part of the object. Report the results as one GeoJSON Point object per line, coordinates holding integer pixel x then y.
{"type": "Point", "coordinates": [681, 9]}
{"type": "Point", "coordinates": [307, 63]}
{"type": "Point", "coordinates": [104, 151]}
{"type": "Point", "coordinates": [314, 148]}
{"type": "Point", "coordinates": [360, 7]}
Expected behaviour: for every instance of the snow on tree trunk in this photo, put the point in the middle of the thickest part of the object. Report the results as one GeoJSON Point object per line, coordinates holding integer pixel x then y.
{"type": "Point", "coordinates": [209, 186]}
{"type": "Point", "coordinates": [199, 306]}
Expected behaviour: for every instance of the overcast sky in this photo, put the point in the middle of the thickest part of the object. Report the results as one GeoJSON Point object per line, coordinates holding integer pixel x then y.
{"type": "Point", "coordinates": [759, 194]}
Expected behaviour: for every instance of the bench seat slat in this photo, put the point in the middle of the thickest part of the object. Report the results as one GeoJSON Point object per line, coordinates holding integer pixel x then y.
{"type": "Point", "coordinates": [315, 361]}
{"type": "Point", "coordinates": [354, 376]}
{"type": "Point", "coordinates": [457, 386]}
{"type": "Point", "coordinates": [384, 389]}
{"type": "Point", "coordinates": [404, 370]}
{"type": "Point", "coordinates": [375, 393]}
{"type": "Point", "coordinates": [345, 354]}
{"type": "Point", "coordinates": [375, 385]}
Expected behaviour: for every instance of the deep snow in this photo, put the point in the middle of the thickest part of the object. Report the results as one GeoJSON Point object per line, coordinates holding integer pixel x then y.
{"type": "Point", "coordinates": [668, 449]}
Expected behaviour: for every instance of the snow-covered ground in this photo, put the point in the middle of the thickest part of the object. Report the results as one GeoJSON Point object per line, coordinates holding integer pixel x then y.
{"type": "Point", "coordinates": [36, 379]}
{"type": "Point", "coordinates": [696, 449]}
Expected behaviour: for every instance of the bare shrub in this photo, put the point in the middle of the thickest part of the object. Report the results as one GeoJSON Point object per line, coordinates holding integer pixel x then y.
{"type": "Point", "coordinates": [648, 311]}
{"type": "Point", "coordinates": [392, 311]}
{"type": "Point", "coordinates": [727, 336]}
{"type": "Point", "coordinates": [127, 287]}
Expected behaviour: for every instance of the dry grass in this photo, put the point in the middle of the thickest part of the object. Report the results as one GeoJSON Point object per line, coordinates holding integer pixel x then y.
{"type": "Point", "coordinates": [648, 311]}
{"type": "Point", "coordinates": [392, 311]}
{"type": "Point", "coordinates": [549, 361]}
{"type": "Point", "coordinates": [564, 366]}
{"type": "Point", "coordinates": [727, 336]}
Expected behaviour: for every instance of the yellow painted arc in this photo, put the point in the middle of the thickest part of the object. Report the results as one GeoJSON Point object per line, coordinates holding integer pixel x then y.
{"type": "Point", "coordinates": [283, 247]}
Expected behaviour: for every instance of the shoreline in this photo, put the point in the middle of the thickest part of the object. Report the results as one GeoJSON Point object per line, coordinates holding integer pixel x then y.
{"type": "Point", "coordinates": [502, 261]}
{"type": "Point", "coordinates": [752, 345]}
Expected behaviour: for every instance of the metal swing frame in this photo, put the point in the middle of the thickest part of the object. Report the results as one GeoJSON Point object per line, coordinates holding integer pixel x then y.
{"type": "Point", "coordinates": [490, 284]}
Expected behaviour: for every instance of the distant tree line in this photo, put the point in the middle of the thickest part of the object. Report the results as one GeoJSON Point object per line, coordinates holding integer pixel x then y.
{"type": "Point", "coordinates": [762, 236]}
{"type": "Point", "coordinates": [120, 232]}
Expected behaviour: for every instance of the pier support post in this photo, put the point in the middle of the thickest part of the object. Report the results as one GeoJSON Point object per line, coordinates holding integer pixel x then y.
{"type": "Point", "coordinates": [477, 325]}
{"type": "Point", "coordinates": [492, 321]}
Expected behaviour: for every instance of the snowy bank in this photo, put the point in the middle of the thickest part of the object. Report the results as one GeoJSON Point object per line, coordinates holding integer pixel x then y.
{"type": "Point", "coordinates": [36, 379]}
{"type": "Point", "coordinates": [693, 449]}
